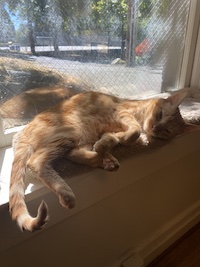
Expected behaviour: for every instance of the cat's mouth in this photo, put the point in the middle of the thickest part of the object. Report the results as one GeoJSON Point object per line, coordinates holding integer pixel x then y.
{"type": "Point", "coordinates": [162, 133]}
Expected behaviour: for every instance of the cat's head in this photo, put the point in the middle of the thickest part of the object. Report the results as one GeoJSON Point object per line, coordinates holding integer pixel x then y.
{"type": "Point", "coordinates": [163, 118]}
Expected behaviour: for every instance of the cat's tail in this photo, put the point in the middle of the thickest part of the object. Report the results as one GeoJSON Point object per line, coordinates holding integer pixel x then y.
{"type": "Point", "coordinates": [17, 205]}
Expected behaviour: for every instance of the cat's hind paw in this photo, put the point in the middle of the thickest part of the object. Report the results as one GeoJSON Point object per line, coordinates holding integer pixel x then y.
{"type": "Point", "coordinates": [67, 199]}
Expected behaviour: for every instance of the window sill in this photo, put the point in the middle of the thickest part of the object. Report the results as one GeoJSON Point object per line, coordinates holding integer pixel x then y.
{"type": "Point", "coordinates": [175, 149]}
{"type": "Point", "coordinates": [152, 160]}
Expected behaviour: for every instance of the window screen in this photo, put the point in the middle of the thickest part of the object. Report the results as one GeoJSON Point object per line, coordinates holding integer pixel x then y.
{"type": "Point", "coordinates": [50, 50]}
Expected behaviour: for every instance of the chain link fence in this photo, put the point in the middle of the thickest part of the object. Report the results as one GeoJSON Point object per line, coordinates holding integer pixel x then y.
{"type": "Point", "coordinates": [129, 48]}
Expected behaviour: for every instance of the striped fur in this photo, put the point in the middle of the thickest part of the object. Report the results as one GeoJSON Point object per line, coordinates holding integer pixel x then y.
{"type": "Point", "coordinates": [84, 129]}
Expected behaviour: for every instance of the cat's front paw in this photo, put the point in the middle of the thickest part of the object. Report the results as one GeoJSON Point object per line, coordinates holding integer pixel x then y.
{"type": "Point", "coordinates": [110, 164]}
{"type": "Point", "coordinates": [67, 198]}
{"type": "Point", "coordinates": [105, 144]}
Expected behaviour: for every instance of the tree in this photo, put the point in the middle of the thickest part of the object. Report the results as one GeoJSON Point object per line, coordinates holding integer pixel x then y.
{"type": "Point", "coordinates": [48, 17]}
{"type": "Point", "coordinates": [27, 11]}
{"type": "Point", "coordinates": [7, 28]}
{"type": "Point", "coordinates": [110, 16]}
{"type": "Point", "coordinates": [126, 18]}
{"type": "Point", "coordinates": [39, 15]}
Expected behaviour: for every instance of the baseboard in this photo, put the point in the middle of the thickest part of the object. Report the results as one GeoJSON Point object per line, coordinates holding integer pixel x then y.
{"type": "Point", "coordinates": [163, 238]}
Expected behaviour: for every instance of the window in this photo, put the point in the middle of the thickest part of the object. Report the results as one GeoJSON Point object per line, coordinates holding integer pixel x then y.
{"type": "Point", "coordinates": [50, 50]}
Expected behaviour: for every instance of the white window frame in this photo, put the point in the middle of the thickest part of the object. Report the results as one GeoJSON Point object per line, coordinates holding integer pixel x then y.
{"type": "Point", "coordinates": [190, 69]}
{"type": "Point", "coordinates": [6, 137]}
{"type": "Point", "coordinates": [195, 77]}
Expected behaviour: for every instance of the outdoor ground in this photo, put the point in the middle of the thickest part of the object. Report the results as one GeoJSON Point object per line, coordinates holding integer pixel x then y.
{"type": "Point", "coordinates": [112, 78]}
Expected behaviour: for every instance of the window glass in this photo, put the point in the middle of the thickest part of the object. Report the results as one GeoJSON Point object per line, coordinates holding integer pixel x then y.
{"type": "Point", "coordinates": [50, 50]}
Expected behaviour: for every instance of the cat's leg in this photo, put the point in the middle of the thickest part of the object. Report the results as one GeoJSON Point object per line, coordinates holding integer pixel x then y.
{"type": "Point", "coordinates": [109, 140]}
{"type": "Point", "coordinates": [40, 165]}
{"type": "Point", "coordinates": [106, 143]}
{"type": "Point", "coordinates": [128, 137]}
{"type": "Point", "coordinates": [103, 147]}
{"type": "Point", "coordinates": [92, 158]}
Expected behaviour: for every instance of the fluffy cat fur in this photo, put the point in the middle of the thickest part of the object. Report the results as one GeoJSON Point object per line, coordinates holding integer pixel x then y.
{"type": "Point", "coordinates": [84, 129]}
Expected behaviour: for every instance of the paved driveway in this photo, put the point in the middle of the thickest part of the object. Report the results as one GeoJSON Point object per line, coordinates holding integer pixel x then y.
{"type": "Point", "coordinates": [117, 79]}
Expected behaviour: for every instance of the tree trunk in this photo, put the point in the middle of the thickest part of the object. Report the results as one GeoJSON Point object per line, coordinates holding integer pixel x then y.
{"type": "Point", "coordinates": [123, 41]}
{"type": "Point", "coordinates": [131, 40]}
{"type": "Point", "coordinates": [55, 44]}
{"type": "Point", "coordinates": [31, 38]}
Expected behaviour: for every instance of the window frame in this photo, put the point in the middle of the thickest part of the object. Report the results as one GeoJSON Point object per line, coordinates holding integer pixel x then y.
{"type": "Point", "coordinates": [6, 137]}
{"type": "Point", "coordinates": [195, 77]}
{"type": "Point", "coordinates": [192, 42]}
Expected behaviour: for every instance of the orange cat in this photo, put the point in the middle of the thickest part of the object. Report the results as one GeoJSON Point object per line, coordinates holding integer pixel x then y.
{"type": "Point", "coordinates": [84, 129]}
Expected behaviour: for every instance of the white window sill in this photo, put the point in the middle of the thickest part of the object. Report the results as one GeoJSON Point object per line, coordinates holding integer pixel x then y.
{"type": "Point", "coordinates": [152, 160]}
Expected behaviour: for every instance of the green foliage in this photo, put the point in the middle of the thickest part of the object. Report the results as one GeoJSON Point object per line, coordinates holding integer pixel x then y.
{"type": "Point", "coordinates": [77, 17]}
{"type": "Point", "coordinates": [144, 16]}
{"type": "Point", "coordinates": [145, 8]}
{"type": "Point", "coordinates": [109, 15]}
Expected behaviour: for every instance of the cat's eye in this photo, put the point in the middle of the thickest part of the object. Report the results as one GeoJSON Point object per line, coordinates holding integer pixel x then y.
{"type": "Point", "coordinates": [167, 131]}
{"type": "Point", "coordinates": [159, 115]}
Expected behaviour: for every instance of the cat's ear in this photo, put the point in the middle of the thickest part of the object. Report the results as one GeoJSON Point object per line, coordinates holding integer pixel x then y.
{"type": "Point", "coordinates": [173, 101]}
{"type": "Point", "coordinates": [176, 99]}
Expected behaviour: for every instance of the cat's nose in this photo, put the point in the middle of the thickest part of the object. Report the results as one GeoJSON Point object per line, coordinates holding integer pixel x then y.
{"type": "Point", "coordinates": [153, 127]}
